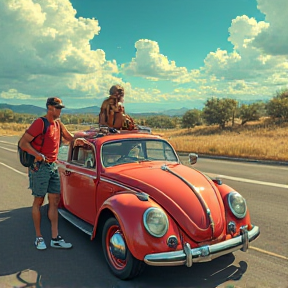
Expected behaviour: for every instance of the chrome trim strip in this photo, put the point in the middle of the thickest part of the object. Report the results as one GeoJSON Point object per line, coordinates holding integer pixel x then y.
{"type": "Point", "coordinates": [202, 254]}
{"type": "Point", "coordinates": [81, 173]}
{"type": "Point", "coordinates": [197, 194]}
{"type": "Point", "coordinates": [118, 184]}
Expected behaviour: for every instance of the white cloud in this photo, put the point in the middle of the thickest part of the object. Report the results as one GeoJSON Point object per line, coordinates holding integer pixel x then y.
{"type": "Point", "coordinates": [246, 61]}
{"type": "Point", "coordinates": [243, 29]}
{"type": "Point", "coordinates": [149, 63]}
{"type": "Point", "coordinates": [241, 73]}
{"type": "Point", "coordinates": [246, 64]}
{"type": "Point", "coordinates": [274, 38]}
{"type": "Point", "coordinates": [14, 94]}
{"type": "Point", "coordinates": [45, 38]}
{"type": "Point", "coordinates": [44, 48]}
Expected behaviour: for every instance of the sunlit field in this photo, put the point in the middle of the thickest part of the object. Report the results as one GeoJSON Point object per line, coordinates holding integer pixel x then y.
{"type": "Point", "coordinates": [258, 140]}
{"type": "Point", "coordinates": [254, 141]}
{"type": "Point", "coordinates": [10, 129]}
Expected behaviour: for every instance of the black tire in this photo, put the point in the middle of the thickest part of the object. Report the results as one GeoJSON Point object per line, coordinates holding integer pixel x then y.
{"type": "Point", "coordinates": [127, 268]}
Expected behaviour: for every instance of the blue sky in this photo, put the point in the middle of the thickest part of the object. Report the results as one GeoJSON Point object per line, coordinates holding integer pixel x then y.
{"type": "Point", "coordinates": [166, 53]}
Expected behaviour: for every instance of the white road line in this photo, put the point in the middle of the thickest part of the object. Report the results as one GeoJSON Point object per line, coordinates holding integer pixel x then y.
{"type": "Point", "coordinates": [4, 148]}
{"type": "Point", "coordinates": [247, 180]}
{"type": "Point", "coordinates": [15, 170]}
{"type": "Point", "coordinates": [268, 253]}
{"type": "Point", "coordinates": [5, 142]}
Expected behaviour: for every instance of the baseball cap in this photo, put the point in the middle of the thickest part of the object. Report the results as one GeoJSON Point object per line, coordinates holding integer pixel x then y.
{"type": "Point", "coordinates": [56, 102]}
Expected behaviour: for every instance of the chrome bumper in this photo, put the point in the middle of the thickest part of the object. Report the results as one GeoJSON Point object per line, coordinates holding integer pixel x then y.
{"type": "Point", "coordinates": [205, 253]}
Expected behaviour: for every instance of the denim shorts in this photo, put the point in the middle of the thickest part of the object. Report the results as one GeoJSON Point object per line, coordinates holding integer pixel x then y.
{"type": "Point", "coordinates": [44, 178]}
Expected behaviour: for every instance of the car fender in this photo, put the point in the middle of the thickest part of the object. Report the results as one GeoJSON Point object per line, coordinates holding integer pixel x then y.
{"type": "Point", "coordinates": [138, 240]}
{"type": "Point", "coordinates": [224, 191]}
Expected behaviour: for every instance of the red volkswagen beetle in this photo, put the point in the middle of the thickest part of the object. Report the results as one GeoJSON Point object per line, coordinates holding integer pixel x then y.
{"type": "Point", "coordinates": [148, 207]}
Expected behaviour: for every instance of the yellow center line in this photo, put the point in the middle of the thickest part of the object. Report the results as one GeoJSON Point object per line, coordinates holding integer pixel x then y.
{"type": "Point", "coordinates": [268, 253]}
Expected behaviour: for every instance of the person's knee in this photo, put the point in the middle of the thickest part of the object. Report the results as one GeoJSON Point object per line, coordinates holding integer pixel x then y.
{"type": "Point", "coordinates": [38, 201]}
{"type": "Point", "coordinates": [54, 199]}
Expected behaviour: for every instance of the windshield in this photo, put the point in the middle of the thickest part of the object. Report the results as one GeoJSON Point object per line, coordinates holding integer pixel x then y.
{"type": "Point", "coordinates": [139, 150]}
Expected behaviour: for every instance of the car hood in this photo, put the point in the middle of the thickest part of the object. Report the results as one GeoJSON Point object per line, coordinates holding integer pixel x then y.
{"type": "Point", "coordinates": [186, 194]}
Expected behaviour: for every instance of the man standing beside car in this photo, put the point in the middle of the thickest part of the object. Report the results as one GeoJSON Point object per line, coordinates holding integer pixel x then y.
{"type": "Point", "coordinates": [44, 176]}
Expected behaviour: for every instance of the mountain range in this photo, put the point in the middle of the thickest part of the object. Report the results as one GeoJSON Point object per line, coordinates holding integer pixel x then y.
{"type": "Point", "coordinates": [35, 110]}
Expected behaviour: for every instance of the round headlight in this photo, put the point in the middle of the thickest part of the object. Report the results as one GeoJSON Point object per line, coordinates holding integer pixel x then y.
{"type": "Point", "coordinates": [237, 204]}
{"type": "Point", "coordinates": [155, 221]}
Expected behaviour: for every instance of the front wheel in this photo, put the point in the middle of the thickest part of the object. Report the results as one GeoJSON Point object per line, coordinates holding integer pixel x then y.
{"type": "Point", "coordinates": [119, 259]}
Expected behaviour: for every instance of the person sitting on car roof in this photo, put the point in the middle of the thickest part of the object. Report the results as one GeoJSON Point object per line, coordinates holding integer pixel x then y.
{"type": "Point", "coordinates": [110, 112]}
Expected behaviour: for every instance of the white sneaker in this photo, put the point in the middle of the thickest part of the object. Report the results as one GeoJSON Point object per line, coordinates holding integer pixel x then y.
{"type": "Point", "coordinates": [40, 244]}
{"type": "Point", "coordinates": [60, 243]}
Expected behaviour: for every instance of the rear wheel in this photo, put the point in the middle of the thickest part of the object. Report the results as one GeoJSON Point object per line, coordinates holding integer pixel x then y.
{"type": "Point", "coordinates": [119, 259]}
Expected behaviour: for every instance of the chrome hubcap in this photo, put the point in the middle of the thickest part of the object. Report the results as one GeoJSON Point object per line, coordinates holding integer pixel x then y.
{"type": "Point", "coordinates": [117, 246]}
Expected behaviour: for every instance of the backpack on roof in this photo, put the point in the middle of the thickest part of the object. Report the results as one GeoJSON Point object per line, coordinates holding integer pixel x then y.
{"type": "Point", "coordinates": [25, 158]}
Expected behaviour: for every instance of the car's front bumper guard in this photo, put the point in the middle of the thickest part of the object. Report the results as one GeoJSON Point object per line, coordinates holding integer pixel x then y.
{"type": "Point", "coordinates": [205, 253]}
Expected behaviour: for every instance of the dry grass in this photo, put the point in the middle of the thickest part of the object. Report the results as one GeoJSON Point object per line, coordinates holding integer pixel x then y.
{"type": "Point", "coordinates": [12, 129]}
{"type": "Point", "coordinates": [259, 140]}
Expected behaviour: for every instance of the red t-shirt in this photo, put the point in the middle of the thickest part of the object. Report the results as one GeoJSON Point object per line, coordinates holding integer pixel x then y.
{"type": "Point", "coordinates": [50, 146]}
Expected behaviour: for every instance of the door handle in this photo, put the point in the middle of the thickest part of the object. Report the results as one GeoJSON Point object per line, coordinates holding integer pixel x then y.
{"type": "Point", "coordinates": [67, 173]}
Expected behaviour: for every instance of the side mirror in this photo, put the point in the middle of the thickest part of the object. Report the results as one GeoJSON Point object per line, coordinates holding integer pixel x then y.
{"type": "Point", "coordinates": [193, 158]}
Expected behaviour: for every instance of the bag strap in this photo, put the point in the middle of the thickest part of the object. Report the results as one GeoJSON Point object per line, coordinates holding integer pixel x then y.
{"type": "Point", "coordinates": [46, 124]}
{"type": "Point", "coordinates": [61, 132]}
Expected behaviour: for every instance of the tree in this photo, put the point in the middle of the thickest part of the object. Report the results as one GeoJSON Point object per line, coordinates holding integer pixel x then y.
{"type": "Point", "coordinates": [6, 115]}
{"type": "Point", "coordinates": [219, 111]}
{"type": "Point", "coordinates": [161, 122]}
{"type": "Point", "coordinates": [278, 106]}
{"type": "Point", "coordinates": [232, 106]}
{"type": "Point", "coordinates": [191, 118]}
{"type": "Point", "coordinates": [251, 112]}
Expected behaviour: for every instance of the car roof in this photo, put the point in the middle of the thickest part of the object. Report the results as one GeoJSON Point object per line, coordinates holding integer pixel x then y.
{"type": "Point", "coordinates": [97, 137]}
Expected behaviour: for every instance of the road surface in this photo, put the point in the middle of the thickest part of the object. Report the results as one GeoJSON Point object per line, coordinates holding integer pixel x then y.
{"type": "Point", "coordinates": [265, 188]}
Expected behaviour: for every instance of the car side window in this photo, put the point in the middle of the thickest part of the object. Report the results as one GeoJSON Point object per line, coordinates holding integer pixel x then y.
{"type": "Point", "coordinates": [83, 156]}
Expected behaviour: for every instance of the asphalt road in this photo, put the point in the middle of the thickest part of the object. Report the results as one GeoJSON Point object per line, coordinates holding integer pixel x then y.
{"type": "Point", "coordinates": [265, 188]}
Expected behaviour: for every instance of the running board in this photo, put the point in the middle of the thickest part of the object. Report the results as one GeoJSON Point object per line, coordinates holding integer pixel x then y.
{"type": "Point", "coordinates": [79, 223]}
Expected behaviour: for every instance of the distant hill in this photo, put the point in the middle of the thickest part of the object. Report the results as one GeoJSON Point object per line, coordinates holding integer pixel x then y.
{"type": "Point", "coordinates": [176, 112]}
{"type": "Point", "coordinates": [24, 109]}
{"type": "Point", "coordinates": [87, 110]}
{"type": "Point", "coordinates": [35, 110]}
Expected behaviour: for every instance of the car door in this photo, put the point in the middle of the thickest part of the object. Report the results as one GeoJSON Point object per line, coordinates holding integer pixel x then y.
{"type": "Point", "coordinates": [81, 182]}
